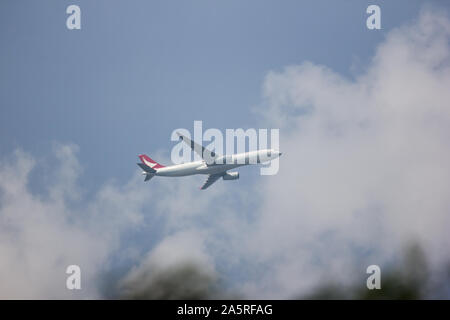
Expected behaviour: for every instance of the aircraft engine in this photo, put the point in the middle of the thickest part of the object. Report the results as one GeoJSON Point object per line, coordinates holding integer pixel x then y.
{"type": "Point", "coordinates": [231, 176]}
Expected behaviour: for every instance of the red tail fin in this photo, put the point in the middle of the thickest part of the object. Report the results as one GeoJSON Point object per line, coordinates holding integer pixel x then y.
{"type": "Point", "coordinates": [149, 162]}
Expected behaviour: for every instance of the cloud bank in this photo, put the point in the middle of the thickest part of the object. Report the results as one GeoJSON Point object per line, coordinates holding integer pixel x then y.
{"type": "Point", "coordinates": [365, 170]}
{"type": "Point", "coordinates": [367, 160]}
{"type": "Point", "coordinates": [41, 235]}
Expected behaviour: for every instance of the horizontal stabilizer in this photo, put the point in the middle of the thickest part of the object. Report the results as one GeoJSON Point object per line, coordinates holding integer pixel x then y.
{"type": "Point", "coordinates": [148, 176]}
{"type": "Point", "coordinates": [146, 168]}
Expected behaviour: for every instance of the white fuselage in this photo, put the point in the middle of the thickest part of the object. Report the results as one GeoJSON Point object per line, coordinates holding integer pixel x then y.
{"type": "Point", "coordinates": [221, 164]}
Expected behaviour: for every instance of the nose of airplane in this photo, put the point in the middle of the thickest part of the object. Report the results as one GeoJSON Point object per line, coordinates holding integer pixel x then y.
{"type": "Point", "coordinates": [276, 152]}
{"type": "Point", "coordinates": [279, 153]}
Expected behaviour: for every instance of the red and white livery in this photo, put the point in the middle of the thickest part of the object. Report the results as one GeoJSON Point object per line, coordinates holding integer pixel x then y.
{"type": "Point", "coordinates": [212, 164]}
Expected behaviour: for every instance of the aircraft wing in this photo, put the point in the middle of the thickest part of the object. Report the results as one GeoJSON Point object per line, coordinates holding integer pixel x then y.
{"type": "Point", "coordinates": [211, 179]}
{"type": "Point", "coordinates": [208, 155]}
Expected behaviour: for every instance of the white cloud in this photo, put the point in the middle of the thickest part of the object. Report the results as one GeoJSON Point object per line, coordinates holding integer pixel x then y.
{"type": "Point", "coordinates": [178, 267]}
{"type": "Point", "coordinates": [41, 235]}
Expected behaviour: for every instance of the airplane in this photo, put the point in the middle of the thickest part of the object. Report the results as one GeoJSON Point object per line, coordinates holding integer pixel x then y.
{"type": "Point", "coordinates": [212, 164]}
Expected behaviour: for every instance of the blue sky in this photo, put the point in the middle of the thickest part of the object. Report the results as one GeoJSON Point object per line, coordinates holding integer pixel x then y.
{"type": "Point", "coordinates": [139, 69]}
